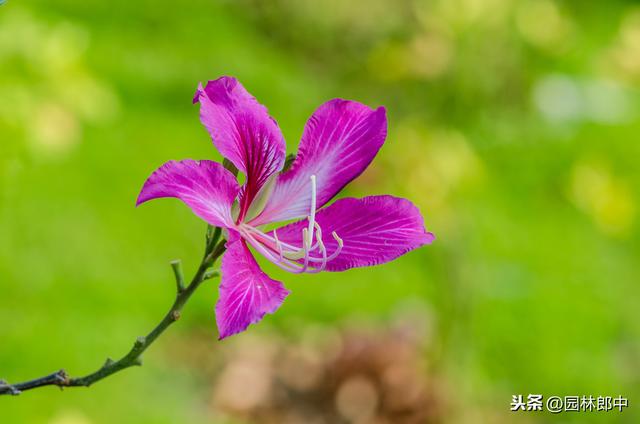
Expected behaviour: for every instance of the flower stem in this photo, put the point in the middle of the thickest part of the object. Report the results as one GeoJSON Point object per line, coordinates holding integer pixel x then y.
{"type": "Point", "coordinates": [134, 356]}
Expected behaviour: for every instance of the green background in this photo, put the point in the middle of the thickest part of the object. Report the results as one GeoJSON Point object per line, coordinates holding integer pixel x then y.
{"type": "Point", "coordinates": [513, 125]}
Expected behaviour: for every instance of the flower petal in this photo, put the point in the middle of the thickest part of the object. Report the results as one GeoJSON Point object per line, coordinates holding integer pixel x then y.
{"type": "Point", "coordinates": [246, 293]}
{"type": "Point", "coordinates": [243, 132]}
{"type": "Point", "coordinates": [375, 230]}
{"type": "Point", "coordinates": [205, 186]}
{"type": "Point", "coordinates": [339, 141]}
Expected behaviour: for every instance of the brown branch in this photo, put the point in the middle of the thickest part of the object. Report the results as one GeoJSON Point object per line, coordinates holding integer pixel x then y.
{"type": "Point", "coordinates": [61, 379]}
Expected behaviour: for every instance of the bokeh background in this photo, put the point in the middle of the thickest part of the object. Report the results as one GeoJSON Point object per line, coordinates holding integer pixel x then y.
{"type": "Point", "coordinates": [513, 125]}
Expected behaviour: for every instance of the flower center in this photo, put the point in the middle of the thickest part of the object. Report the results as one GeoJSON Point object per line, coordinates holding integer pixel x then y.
{"type": "Point", "coordinates": [288, 256]}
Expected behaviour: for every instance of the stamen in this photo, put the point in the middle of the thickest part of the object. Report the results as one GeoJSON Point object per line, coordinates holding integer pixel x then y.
{"type": "Point", "coordinates": [286, 265]}
{"type": "Point", "coordinates": [322, 249]}
{"type": "Point", "coordinates": [318, 232]}
{"type": "Point", "coordinates": [312, 213]}
{"type": "Point", "coordinates": [306, 241]}
{"type": "Point", "coordinates": [273, 240]}
{"type": "Point", "coordinates": [278, 244]}
{"type": "Point", "coordinates": [339, 249]}
{"type": "Point", "coordinates": [289, 257]}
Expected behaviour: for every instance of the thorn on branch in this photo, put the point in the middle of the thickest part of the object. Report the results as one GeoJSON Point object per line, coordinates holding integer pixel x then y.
{"type": "Point", "coordinates": [4, 386]}
{"type": "Point", "coordinates": [175, 315]}
{"type": "Point", "coordinates": [177, 271]}
{"type": "Point", "coordinates": [58, 378]}
{"type": "Point", "coordinates": [140, 342]}
{"type": "Point", "coordinates": [62, 378]}
{"type": "Point", "coordinates": [211, 273]}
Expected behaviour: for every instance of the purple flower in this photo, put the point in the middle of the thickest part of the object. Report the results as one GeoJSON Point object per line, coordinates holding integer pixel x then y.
{"type": "Point", "coordinates": [339, 141]}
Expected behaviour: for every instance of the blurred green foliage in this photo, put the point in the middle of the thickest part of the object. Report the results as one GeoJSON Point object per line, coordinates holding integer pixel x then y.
{"type": "Point", "coordinates": [513, 125]}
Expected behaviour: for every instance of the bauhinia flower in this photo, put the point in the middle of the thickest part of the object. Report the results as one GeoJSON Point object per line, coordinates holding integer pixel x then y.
{"type": "Point", "coordinates": [339, 141]}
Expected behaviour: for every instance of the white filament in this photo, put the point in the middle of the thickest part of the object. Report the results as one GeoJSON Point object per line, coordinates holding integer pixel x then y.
{"type": "Point", "coordinates": [287, 256]}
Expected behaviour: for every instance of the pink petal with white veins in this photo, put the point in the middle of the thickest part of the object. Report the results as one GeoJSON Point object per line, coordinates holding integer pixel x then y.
{"type": "Point", "coordinates": [205, 186]}
{"type": "Point", "coordinates": [339, 141]}
{"type": "Point", "coordinates": [246, 293]}
{"type": "Point", "coordinates": [373, 230]}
